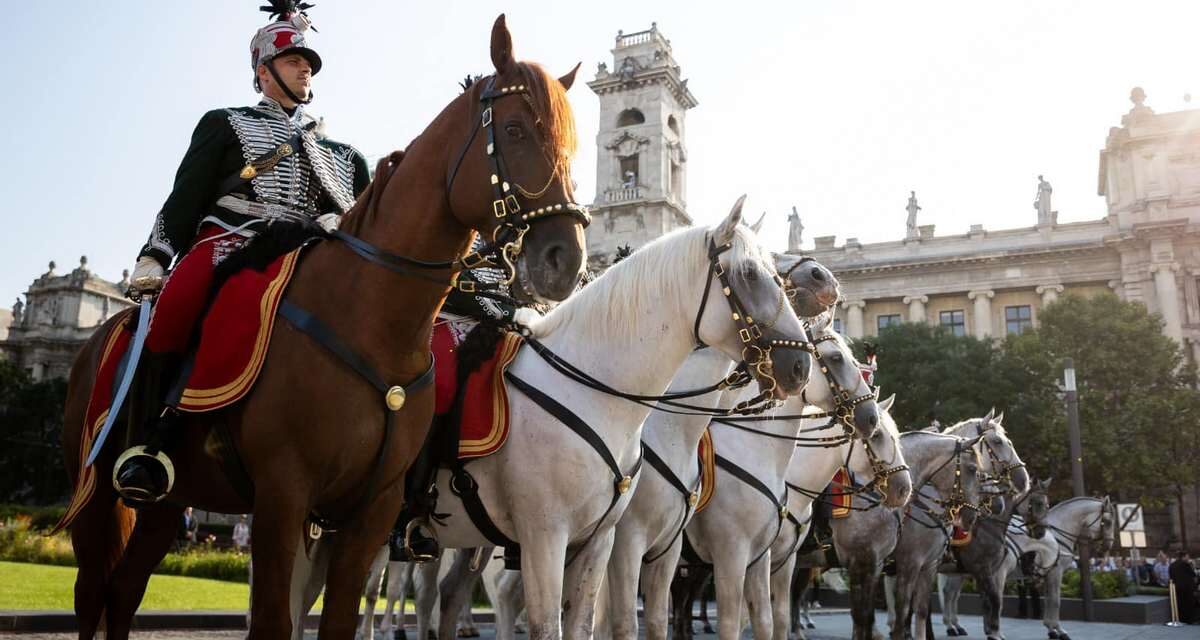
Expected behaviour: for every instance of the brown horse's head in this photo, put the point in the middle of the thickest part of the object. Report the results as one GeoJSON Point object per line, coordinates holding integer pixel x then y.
{"type": "Point", "coordinates": [515, 169]}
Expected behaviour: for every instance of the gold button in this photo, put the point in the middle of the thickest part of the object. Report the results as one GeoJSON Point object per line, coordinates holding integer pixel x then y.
{"type": "Point", "coordinates": [394, 398]}
{"type": "Point", "coordinates": [624, 484]}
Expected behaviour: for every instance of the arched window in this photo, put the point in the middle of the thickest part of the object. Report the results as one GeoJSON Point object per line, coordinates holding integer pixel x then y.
{"type": "Point", "coordinates": [673, 124]}
{"type": "Point", "coordinates": [630, 117]}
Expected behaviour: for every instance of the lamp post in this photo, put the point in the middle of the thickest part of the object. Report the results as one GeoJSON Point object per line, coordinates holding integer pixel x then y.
{"type": "Point", "coordinates": [1076, 446]}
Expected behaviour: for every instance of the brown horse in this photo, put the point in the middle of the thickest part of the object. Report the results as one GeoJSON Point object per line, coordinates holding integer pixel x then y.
{"type": "Point", "coordinates": [309, 434]}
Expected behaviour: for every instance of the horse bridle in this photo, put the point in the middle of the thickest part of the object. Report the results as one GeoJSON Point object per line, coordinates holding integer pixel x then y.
{"type": "Point", "coordinates": [953, 505]}
{"type": "Point", "coordinates": [1001, 470]}
{"type": "Point", "coordinates": [513, 222]}
{"type": "Point", "coordinates": [756, 348]}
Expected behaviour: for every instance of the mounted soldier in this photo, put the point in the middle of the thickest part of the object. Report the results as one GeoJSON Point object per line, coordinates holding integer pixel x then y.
{"type": "Point", "coordinates": [249, 172]}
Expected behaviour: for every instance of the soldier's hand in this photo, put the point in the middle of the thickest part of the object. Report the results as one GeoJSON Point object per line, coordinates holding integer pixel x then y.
{"type": "Point", "coordinates": [329, 222]}
{"type": "Point", "coordinates": [526, 316]}
{"type": "Point", "coordinates": [147, 276]}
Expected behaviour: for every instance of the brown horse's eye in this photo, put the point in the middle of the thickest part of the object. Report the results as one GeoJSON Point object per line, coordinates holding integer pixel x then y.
{"type": "Point", "coordinates": [515, 131]}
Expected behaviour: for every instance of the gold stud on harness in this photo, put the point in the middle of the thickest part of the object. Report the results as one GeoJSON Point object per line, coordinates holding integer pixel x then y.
{"type": "Point", "coordinates": [693, 499]}
{"type": "Point", "coordinates": [624, 484]}
{"type": "Point", "coordinates": [394, 398]}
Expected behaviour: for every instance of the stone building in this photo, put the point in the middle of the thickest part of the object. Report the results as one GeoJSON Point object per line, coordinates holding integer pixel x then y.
{"type": "Point", "coordinates": [641, 159]}
{"type": "Point", "coordinates": [991, 283]}
{"type": "Point", "coordinates": [58, 315]}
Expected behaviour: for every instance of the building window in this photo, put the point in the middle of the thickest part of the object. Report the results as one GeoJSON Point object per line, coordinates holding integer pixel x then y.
{"type": "Point", "coordinates": [1017, 320]}
{"type": "Point", "coordinates": [955, 321]}
{"type": "Point", "coordinates": [629, 171]}
{"type": "Point", "coordinates": [630, 117]}
{"type": "Point", "coordinates": [837, 325]}
{"type": "Point", "coordinates": [890, 320]}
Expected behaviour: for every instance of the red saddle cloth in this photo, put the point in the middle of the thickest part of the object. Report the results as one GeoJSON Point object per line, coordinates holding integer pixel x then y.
{"type": "Point", "coordinates": [960, 537]}
{"type": "Point", "coordinates": [708, 470]}
{"type": "Point", "coordinates": [837, 493]}
{"type": "Point", "coordinates": [233, 345]}
{"type": "Point", "coordinates": [485, 417]}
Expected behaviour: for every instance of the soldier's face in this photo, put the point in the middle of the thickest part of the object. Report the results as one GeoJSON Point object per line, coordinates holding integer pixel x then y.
{"type": "Point", "coordinates": [296, 73]}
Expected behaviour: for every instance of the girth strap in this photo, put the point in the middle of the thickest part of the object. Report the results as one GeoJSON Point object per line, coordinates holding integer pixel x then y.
{"type": "Point", "coordinates": [463, 485]}
{"type": "Point", "coordinates": [621, 482]}
{"type": "Point", "coordinates": [690, 498]}
{"type": "Point", "coordinates": [780, 504]}
{"type": "Point", "coordinates": [795, 543]}
{"type": "Point", "coordinates": [323, 335]}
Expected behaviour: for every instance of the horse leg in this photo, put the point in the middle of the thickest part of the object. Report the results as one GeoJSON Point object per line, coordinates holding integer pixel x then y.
{"type": "Point", "coordinates": [656, 592]}
{"type": "Point", "coordinates": [274, 531]}
{"type": "Point", "coordinates": [704, 594]}
{"type": "Point", "coordinates": [902, 592]}
{"type": "Point", "coordinates": [780, 597]}
{"type": "Point", "coordinates": [922, 591]}
{"type": "Point", "coordinates": [455, 591]}
{"type": "Point", "coordinates": [510, 598]}
{"type": "Point", "coordinates": [621, 584]}
{"type": "Point", "coordinates": [99, 536]}
{"type": "Point", "coordinates": [542, 562]}
{"type": "Point", "coordinates": [730, 581]}
{"type": "Point", "coordinates": [366, 629]}
{"type": "Point", "coordinates": [466, 620]}
{"type": "Point", "coordinates": [863, 576]}
{"type": "Point", "coordinates": [992, 591]}
{"type": "Point", "coordinates": [350, 558]}
{"type": "Point", "coordinates": [950, 592]}
{"type": "Point", "coordinates": [309, 571]}
{"type": "Point", "coordinates": [153, 534]}
{"type": "Point", "coordinates": [582, 583]}
{"type": "Point", "coordinates": [1053, 596]}
{"type": "Point", "coordinates": [889, 596]}
{"type": "Point", "coordinates": [425, 594]}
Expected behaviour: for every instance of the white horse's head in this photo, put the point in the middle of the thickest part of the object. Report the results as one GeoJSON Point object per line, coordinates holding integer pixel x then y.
{"type": "Point", "coordinates": [838, 385]}
{"type": "Point", "coordinates": [745, 312]}
{"type": "Point", "coordinates": [998, 455]}
{"type": "Point", "coordinates": [881, 455]}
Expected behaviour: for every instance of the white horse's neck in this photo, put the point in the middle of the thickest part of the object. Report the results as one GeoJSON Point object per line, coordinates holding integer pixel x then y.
{"type": "Point", "coordinates": [767, 458]}
{"type": "Point", "coordinates": [812, 468]}
{"type": "Point", "coordinates": [927, 455]}
{"type": "Point", "coordinates": [1074, 516]}
{"type": "Point", "coordinates": [630, 329]}
{"type": "Point", "coordinates": [675, 437]}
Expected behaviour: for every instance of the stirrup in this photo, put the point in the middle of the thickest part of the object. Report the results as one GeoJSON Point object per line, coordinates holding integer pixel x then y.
{"type": "Point", "coordinates": [412, 526]}
{"type": "Point", "coordinates": [140, 495]}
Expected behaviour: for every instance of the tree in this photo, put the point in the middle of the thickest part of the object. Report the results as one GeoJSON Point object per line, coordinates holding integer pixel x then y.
{"type": "Point", "coordinates": [31, 470]}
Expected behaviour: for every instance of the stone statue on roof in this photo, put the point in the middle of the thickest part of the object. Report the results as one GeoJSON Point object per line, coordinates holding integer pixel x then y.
{"type": "Point", "coordinates": [912, 209]}
{"type": "Point", "coordinates": [795, 231]}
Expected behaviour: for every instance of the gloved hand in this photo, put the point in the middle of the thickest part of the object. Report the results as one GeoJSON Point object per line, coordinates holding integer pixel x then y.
{"type": "Point", "coordinates": [329, 221]}
{"type": "Point", "coordinates": [147, 276]}
{"type": "Point", "coordinates": [526, 316]}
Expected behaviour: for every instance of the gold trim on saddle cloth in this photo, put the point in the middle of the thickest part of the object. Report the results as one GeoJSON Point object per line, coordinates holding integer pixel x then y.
{"type": "Point", "coordinates": [85, 484]}
{"type": "Point", "coordinates": [498, 434]}
{"type": "Point", "coordinates": [838, 496]}
{"type": "Point", "coordinates": [201, 400]}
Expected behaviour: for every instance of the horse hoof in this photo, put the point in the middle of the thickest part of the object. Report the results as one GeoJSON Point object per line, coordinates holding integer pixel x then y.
{"type": "Point", "coordinates": [399, 634]}
{"type": "Point", "coordinates": [519, 629]}
{"type": "Point", "coordinates": [951, 631]}
{"type": "Point", "coordinates": [430, 634]}
{"type": "Point", "coordinates": [1062, 635]}
{"type": "Point", "coordinates": [708, 628]}
{"type": "Point", "coordinates": [961, 631]}
{"type": "Point", "coordinates": [810, 626]}
{"type": "Point", "coordinates": [1052, 634]}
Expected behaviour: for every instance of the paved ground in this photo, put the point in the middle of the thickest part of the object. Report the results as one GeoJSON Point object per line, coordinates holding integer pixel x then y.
{"type": "Point", "coordinates": [831, 624]}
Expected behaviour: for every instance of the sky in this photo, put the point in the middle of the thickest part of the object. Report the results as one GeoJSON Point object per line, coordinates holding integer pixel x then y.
{"type": "Point", "coordinates": [839, 108]}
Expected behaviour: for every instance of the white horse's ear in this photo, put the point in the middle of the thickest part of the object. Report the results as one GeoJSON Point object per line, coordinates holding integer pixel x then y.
{"type": "Point", "coordinates": [724, 232]}
{"type": "Point", "coordinates": [886, 404]}
{"type": "Point", "coordinates": [757, 226]}
{"type": "Point", "coordinates": [990, 414]}
{"type": "Point", "coordinates": [999, 419]}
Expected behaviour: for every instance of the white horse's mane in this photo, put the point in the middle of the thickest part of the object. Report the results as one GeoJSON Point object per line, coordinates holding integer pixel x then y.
{"type": "Point", "coordinates": [998, 428]}
{"type": "Point", "coordinates": [616, 302]}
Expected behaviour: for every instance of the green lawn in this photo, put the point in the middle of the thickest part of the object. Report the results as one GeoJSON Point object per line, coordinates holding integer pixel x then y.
{"type": "Point", "coordinates": [36, 586]}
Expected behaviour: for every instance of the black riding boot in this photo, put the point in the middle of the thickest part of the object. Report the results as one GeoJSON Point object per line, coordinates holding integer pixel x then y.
{"type": "Point", "coordinates": [144, 473]}
{"type": "Point", "coordinates": [412, 539]}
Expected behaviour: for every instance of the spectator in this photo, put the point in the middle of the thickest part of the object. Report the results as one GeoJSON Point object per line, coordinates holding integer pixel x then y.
{"type": "Point", "coordinates": [188, 528]}
{"type": "Point", "coordinates": [1160, 569]}
{"type": "Point", "coordinates": [241, 534]}
{"type": "Point", "coordinates": [1183, 574]}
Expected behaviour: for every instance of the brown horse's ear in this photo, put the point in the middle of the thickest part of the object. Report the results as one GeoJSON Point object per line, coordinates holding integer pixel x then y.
{"type": "Point", "coordinates": [502, 49]}
{"type": "Point", "coordinates": [569, 79]}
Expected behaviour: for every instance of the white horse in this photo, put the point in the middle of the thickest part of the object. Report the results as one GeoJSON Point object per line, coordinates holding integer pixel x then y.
{"type": "Point", "coordinates": [1070, 521]}
{"type": "Point", "coordinates": [812, 468]}
{"type": "Point", "coordinates": [549, 489]}
{"type": "Point", "coordinates": [749, 506]}
{"type": "Point", "coordinates": [419, 579]}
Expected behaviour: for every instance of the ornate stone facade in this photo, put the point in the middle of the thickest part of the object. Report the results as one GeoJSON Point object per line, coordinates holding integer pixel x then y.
{"type": "Point", "coordinates": [991, 283]}
{"type": "Point", "coordinates": [641, 159]}
{"type": "Point", "coordinates": [58, 315]}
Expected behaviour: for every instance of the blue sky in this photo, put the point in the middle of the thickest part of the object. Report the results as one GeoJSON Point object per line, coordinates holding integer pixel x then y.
{"type": "Point", "coordinates": [837, 107]}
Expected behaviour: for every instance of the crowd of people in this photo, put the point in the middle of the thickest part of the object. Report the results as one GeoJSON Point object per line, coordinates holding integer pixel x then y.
{"type": "Point", "coordinates": [190, 535]}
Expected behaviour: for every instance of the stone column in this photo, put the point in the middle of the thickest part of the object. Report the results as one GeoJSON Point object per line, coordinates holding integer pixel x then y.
{"type": "Point", "coordinates": [983, 312]}
{"type": "Point", "coordinates": [1049, 293]}
{"type": "Point", "coordinates": [854, 318]}
{"type": "Point", "coordinates": [1168, 297]}
{"type": "Point", "coordinates": [916, 307]}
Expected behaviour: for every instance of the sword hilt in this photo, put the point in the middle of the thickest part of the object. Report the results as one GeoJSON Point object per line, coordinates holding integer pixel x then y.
{"type": "Point", "coordinates": [144, 286]}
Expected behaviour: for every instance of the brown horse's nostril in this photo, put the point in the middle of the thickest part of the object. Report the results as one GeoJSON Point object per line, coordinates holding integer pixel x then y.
{"type": "Point", "coordinates": [818, 274]}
